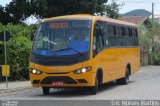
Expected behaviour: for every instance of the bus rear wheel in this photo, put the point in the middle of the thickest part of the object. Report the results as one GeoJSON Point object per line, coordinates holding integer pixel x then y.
{"type": "Point", "coordinates": [124, 80]}
{"type": "Point", "coordinates": [45, 90]}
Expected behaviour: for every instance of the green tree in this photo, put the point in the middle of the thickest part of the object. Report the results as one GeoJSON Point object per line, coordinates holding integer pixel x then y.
{"type": "Point", "coordinates": [50, 8]}
{"type": "Point", "coordinates": [112, 9]}
{"type": "Point", "coordinates": [18, 56]}
{"type": "Point", "coordinates": [150, 43]}
{"type": "Point", "coordinates": [18, 49]}
{"type": "Point", "coordinates": [6, 17]}
{"type": "Point", "coordinates": [156, 43]}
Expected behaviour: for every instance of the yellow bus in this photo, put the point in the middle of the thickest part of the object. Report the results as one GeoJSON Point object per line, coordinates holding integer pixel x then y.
{"type": "Point", "coordinates": [83, 51]}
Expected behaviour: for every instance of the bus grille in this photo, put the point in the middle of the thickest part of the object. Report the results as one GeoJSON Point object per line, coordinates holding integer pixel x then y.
{"type": "Point", "coordinates": [65, 79]}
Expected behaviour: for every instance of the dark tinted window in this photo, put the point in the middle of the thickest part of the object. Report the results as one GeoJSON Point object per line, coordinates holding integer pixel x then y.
{"type": "Point", "coordinates": [130, 31]}
{"type": "Point", "coordinates": [119, 30]}
{"type": "Point", "coordinates": [115, 35]}
{"type": "Point", "coordinates": [127, 31]}
{"type": "Point", "coordinates": [127, 36]}
{"type": "Point", "coordinates": [112, 31]}
{"type": "Point", "coordinates": [123, 31]}
{"type": "Point", "coordinates": [135, 37]}
{"type": "Point", "coordinates": [99, 37]}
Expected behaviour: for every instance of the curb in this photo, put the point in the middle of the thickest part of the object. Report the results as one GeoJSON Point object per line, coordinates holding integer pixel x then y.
{"type": "Point", "coordinates": [6, 91]}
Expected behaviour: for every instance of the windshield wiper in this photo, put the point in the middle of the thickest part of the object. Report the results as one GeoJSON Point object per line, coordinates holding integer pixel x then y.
{"type": "Point", "coordinates": [47, 49]}
{"type": "Point", "coordinates": [76, 51]}
{"type": "Point", "coordinates": [71, 49]}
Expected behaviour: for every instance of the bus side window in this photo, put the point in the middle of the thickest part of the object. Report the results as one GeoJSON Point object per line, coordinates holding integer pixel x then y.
{"type": "Point", "coordinates": [106, 35]}
{"type": "Point", "coordinates": [135, 37]}
{"type": "Point", "coordinates": [98, 43]}
{"type": "Point", "coordinates": [128, 40]}
{"type": "Point", "coordinates": [130, 32]}
{"type": "Point", "coordinates": [120, 35]}
{"type": "Point", "coordinates": [113, 35]}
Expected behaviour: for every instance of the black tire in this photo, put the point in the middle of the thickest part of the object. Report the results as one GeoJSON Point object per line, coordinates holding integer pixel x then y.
{"type": "Point", "coordinates": [124, 80]}
{"type": "Point", "coordinates": [45, 90]}
{"type": "Point", "coordinates": [94, 89]}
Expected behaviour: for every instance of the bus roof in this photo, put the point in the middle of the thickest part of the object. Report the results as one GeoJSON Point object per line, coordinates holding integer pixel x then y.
{"type": "Point", "coordinates": [91, 17]}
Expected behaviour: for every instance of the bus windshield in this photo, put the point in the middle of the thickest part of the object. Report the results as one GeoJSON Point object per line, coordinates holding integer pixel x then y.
{"type": "Point", "coordinates": [60, 37]}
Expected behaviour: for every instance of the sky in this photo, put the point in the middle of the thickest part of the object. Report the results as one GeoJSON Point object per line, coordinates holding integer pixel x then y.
{"type": "Point", "coordinates": [28, 21]}
{"type": "Point", "coordinates": [4, 2]}
{"type": "Point", "coordinates": [128, 6]}
{"type": "Point", "coordinates": [139, 4]}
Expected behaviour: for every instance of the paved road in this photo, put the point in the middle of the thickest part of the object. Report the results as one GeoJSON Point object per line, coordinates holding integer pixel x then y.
{"type": "Point", "coordinates": [145, 84]}
{"type": "Point", "coordinates": [15, 85]}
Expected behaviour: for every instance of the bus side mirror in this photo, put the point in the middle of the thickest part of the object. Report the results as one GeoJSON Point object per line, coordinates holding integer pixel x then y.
{"type": "Point", "coordinates": [33, 33]}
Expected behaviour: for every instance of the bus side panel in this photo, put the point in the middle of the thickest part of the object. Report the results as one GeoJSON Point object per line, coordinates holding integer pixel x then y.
{"type": "Point", "coordinates": [136, 61]}
{"type": "Point", "coordinates": [108, 61]}
{"type": "Point", "coordinates": [114, 61]}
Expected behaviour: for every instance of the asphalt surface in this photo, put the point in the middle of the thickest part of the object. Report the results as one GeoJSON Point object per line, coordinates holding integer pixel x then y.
{"type": "Point", "coordinates": [144, 85]}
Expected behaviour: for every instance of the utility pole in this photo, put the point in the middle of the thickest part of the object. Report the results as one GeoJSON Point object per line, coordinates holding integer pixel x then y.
{"type": "Point", "coordinates": [4, 37]}
{"type": "Point", "coordinates": [152, 56]}
{"type": "Point", "coordinates": [5, 53]}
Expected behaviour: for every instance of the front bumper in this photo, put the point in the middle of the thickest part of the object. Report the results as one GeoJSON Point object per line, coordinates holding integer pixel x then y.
{"type": "Point", "coordinates": [70, 80]}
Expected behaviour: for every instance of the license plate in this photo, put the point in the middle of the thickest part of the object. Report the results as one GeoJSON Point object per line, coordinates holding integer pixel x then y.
{"type": "Point", "coordinates": [58, 83]}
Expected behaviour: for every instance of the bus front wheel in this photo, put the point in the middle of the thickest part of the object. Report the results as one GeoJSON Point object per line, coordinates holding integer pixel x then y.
{"type": "Point", "coordinates": [94, 89]}
{"type": "Point", "coordinates": [45, 90]}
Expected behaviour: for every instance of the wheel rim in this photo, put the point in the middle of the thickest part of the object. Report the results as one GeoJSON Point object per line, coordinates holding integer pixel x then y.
{"type": "Point", "coordinates": [96, 83]}
{"type": "Point", "coordinates": [127, 76]}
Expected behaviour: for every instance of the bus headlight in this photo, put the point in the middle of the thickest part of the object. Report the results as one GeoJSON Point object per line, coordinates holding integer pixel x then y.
{"type": "Point", "coordinates": [82, 70]}
{"type": "Point", "coordinates": [34, 71]}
